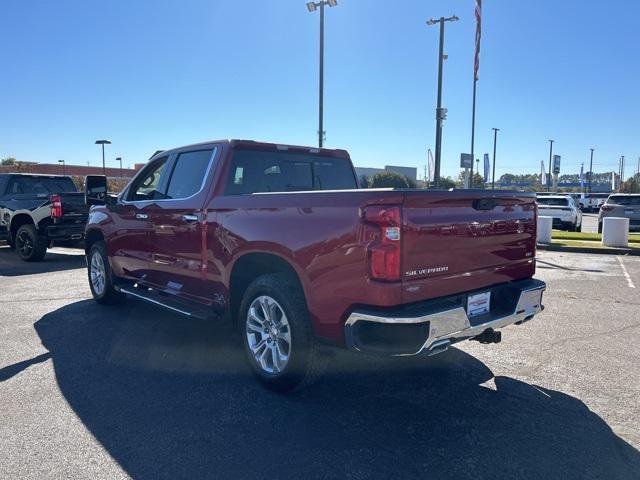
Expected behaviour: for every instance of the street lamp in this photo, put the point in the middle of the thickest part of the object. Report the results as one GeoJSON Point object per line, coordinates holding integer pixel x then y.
{"type": "Point", "coordinates": [119, 159]}
{"type": "Point", "coordinates": [63, 167]}
{"type": "Point", "coordinates": [103, 143]}
{"type": "Point", "coordinates": [441, 113]}
{"type": "Point", "coordinates": [590, 170]}
{"type": "Point", "coordinates": [493, 174]}
{"type": "Point", "coordinates": [549, 177]}
{"type": "Point", "coordinates": [312, 7]}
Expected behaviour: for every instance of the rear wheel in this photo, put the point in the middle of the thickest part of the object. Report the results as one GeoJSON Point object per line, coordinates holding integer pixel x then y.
{"type": "Point", "coordinates": [276, 332]}
{"type": "Point", "coordinates": [30, 246]}
{"type": "Point", "coordinates": [100, 275]}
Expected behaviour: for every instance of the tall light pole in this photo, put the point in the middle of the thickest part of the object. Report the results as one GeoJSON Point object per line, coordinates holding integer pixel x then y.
{"type": "Point", "coordinates": [103, 143]}
{"type": "Point", "coordinates": [441, 113]}
{"type": "Point", "coordinates": [312, 7]}
{"type": "Point", "coordinates": [119, 159]}
{"type": "Point", "coordinates": [549, 176]}
{"type": "Point", "coordinates": [493, 173]}
{"type": "Point", "coordinates": [590, 171]}
{"type": "Point", "coordinates": [63, 167]}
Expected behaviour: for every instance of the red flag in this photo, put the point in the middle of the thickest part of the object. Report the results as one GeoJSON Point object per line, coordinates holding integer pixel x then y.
{"type": "Point", "coordinates": [476, 65]}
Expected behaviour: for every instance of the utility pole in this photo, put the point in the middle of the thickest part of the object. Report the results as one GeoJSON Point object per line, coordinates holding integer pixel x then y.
{"type": "Point", "coordinates": [441, 113]}
{"type": "Point", "coordinates": [63, 167]}
{"type": "Point", "coordinates": [493, 174]}
{"type": "Point", "coordinates": [549, 176]}
{"type": "Point", "coordinates": [312, 7]}
{"type": "Point", "coordinates": [590, 171]}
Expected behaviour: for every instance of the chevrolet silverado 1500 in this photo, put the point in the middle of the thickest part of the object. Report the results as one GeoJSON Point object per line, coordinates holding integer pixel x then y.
{"type": "Point", "coordinates": [280, 239]}
{"type": "Point", "coordinates": [36, 210]}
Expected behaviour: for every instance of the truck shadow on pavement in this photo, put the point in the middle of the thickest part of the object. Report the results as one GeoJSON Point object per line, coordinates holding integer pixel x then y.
{"type": "Point", "coordinates": [172, 398]}
{"type": "Point", "coordinates": [11, 265]}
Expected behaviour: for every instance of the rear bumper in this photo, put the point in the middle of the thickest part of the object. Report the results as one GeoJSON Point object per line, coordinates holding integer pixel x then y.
{"type": "Point", "coordinates": [65, 232]}
{"type": "Point", "coordinates": [431, 326]}
{"type": "Point", "coordinates": [561, 224]}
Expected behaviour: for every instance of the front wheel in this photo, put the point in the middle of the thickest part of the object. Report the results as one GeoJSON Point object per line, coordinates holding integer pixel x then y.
{"type": "Point", "coordinates": [100, 275]}
{"type": "Point", "coordinates": [276, 332]}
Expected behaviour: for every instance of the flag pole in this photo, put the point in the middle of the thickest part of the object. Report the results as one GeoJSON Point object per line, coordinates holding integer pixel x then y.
{"type": "Point", "coordinates": [476, 66]}
{"type": "Point", "coordinates": [473, 127]}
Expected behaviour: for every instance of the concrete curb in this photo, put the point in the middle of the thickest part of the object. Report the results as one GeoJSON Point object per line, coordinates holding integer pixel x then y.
{"type": "Point", "coordinates": [605, 251]}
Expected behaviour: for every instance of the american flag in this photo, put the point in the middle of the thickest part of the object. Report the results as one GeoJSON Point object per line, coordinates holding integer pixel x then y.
{"type": "Point", "coordinates": [476, 65]}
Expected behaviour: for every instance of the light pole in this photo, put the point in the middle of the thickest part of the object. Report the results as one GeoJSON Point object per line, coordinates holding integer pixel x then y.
{"type": "Point", "coordinates": [119, 159]}
{"type": "Point", "coordinates": [493, 173]}
{"type": "Point", "coordinates": [590, 171]}
{"type": "Point", "coordinates": [441, 113]}
{"type": "Point", "coordinates": [103, 143]}
{"type": "Point", "coordinates": [549, 176]}
{"type": "Point", "coordinates": [63, 167]}
{"type": "Point", "coordinates": [312, 7]}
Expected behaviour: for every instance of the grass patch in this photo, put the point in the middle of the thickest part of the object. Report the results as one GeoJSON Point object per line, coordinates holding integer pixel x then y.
{"type": "Point", "coordinates": [590, 237]}
{"type": "Point", "coordinates": [589, 244]}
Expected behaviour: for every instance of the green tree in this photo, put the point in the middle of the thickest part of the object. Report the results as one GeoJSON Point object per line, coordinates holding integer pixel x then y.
{"type": "Point", "coordinates": [393, 180]}
{"type": "Point", "coordinates": [364, 181]}
{"type": "Point", "coordinates": [446, 183]}
{"type": "Point", "coordinates": [8, 161]}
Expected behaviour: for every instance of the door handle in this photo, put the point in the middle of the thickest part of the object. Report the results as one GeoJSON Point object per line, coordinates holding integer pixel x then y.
{"type": "Point", "coordinates": [190, 218]}
{"type": "Point", "coordinates": [142, 216]}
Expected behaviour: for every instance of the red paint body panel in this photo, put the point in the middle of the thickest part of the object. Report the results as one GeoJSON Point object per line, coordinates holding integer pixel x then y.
{"type": "Point", "coordinates": [448, 246]}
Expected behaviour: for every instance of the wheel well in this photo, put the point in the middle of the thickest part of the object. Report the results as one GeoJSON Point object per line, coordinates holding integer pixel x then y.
{"type": "Point", "coordinates": [18, 221]}
{"type": "Point", "coordinates": [92, 237]}
{"type": "Point", "coordinates": [251, 266]}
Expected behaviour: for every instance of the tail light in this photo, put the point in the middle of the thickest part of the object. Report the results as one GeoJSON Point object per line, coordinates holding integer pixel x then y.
{"type": "Point", "coordinates": [384, 249]}
{"type": "Point", "coordinates": [56, 206]}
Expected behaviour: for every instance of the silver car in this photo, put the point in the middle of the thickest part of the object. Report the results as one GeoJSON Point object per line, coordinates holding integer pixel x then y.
{"type": "Point", "coordinates": [626, 205]}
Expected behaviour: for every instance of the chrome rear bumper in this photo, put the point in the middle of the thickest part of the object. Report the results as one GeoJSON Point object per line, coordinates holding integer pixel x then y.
{"type": "Point", "coordinates": [434, 331]}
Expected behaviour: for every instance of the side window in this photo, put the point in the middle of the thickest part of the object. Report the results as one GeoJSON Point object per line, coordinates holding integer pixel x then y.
{"type": "Point", "coordinates": [146, 186]}
{"type": "Point", "coordinates": [188, 174]}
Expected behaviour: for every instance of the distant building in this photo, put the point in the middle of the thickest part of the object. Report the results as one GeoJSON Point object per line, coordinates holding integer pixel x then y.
{"type": "Point", "coordinates": [73, 170]}
{"type": "Point", "coordinates": [410, 172]}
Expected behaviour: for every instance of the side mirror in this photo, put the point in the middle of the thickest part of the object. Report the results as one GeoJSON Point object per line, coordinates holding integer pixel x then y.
{"type": "Point", "coordinates": [95, 192]}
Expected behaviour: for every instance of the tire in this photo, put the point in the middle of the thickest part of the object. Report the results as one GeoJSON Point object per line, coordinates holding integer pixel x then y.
{"type": "Point", "coordinates": [599, 227]}
{"type": "Point", "coordinates": [263, 341]}
{"type": "Point", "coordinates": [30, 246]}
{"type": "Point", "coordinates": [100, 276]}
{"type": "Point", "coordinates": [578, 228]}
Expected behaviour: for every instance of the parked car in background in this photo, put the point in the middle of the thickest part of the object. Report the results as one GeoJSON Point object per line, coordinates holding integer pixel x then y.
{"type": "Point", "coordinates": [593, 201]}
{"type": "Point", "coordinates": [280, 240]}
{"type": "Point", "coordinates": [566, 214]}
{"type": "Point", "coordinates": [35, 210]}
{"type": "Point", "coordinates": [579, 200]}
{"type": "Point", "coordinates": [625, 205]}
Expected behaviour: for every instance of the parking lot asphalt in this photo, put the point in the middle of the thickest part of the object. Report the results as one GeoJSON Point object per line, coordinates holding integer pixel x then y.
{"type": "Point", "coordinates": [97, 392]}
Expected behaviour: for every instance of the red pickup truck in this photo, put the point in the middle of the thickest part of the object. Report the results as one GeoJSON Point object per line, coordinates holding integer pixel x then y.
{"type": "Point", "coordinates": [280, 240]}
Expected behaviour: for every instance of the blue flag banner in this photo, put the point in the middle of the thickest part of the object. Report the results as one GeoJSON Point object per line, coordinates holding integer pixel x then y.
{"type": "Point", "coordinates": [487, 167]}
{"type": "Point", "coordinates": [582, 176]}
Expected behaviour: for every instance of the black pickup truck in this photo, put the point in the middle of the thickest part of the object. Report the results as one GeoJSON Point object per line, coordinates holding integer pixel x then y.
{"type": "Point", "coordinates": [36, 210]}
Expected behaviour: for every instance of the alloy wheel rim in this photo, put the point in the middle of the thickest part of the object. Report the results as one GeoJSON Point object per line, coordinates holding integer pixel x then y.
{"type": "Point", "coordinates": [98, 274]}
{"type": "Point", "coordinates": [24, 244]}
{"type": "Point", "coordinates": [268, 334]}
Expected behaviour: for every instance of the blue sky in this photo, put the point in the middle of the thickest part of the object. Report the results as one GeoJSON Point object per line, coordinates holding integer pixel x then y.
{"type": "Point", "coordinates": [158, 74]}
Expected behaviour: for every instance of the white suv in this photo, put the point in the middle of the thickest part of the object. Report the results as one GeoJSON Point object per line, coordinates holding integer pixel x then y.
{"type": "Point", "coordinates": [566, 214]}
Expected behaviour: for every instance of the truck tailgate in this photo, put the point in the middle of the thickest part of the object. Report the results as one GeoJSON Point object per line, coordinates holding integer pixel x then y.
{"type": "Point", "coordinates": [454, 242]}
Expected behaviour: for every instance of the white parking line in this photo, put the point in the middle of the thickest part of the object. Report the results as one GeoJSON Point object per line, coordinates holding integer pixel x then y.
{"type": "Point", "coordinates": [626, 274]}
